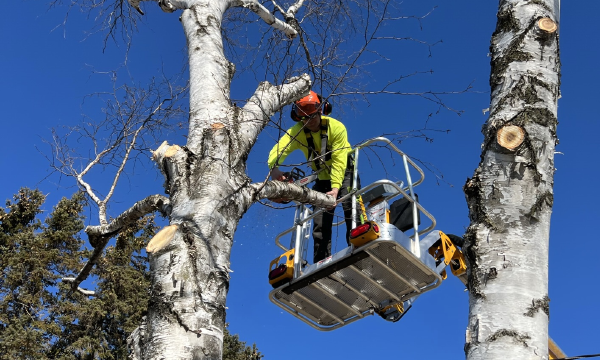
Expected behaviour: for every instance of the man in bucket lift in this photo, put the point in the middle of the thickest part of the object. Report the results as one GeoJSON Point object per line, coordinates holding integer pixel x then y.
{"type": "Point", "coordinates": [324, 142]}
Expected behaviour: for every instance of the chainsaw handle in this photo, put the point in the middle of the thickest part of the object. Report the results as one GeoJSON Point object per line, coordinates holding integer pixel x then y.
{"type": "Point", "coordinates": [292, 175]}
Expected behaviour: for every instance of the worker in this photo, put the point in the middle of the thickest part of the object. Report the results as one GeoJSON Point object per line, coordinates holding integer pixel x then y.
{"type": "Point", "coordinates": [313, 129]}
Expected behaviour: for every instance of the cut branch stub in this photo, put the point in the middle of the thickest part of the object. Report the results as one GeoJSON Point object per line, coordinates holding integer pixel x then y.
{"type": "Point", "coordinates": [157, 153]}
{"type": "Point", "coordinates": [547, 25]}
{"type": "Point", "coordinates": [172, 151]}
{"type": "Point", "coordinates": [166, 6]}
{"type": "Point", "coordinates": [164, 151]}
{"type": "Point", "coordinates": [510, 136]}
{"type": "Point", "coordinates": [162, 238]}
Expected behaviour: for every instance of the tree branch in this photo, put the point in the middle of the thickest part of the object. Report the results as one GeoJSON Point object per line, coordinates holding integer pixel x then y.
{"type": "Point", "coordinates": [266, 101]}
{"type": "Point", "coordinates": [268, 17]}
{"type": "Point", "coordinates": [100, 235]}
{"type": "Point", "coordinates": [134, 119]}
{"type": "Point", "coordinates": [81, 290]}
{"type": "Point", "coordinates": [294, 8]}
{"type": "Point", "coordinates": [143, 207]}
{"type": "Point", "coordinates": [130, 147]}
{"type": "Point", "coordinates": [289, 191]}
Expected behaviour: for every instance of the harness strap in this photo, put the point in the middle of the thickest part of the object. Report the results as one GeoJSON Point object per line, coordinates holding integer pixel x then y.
{"type": "Point", "coordinates": [313, 156]}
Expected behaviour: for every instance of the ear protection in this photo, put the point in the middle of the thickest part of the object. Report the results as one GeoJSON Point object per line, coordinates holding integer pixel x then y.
{"type": "Point", "coordinates": [326, 108]}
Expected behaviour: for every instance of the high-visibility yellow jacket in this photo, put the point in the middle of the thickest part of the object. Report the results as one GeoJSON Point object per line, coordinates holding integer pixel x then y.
{"type": "Point", "coordinates": [337, 145]}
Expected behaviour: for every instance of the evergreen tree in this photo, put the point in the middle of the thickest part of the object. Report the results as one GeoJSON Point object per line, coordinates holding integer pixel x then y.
{"type": "Point", "coordinates": [33, 258]}
{"type": "Point", "coordinates": [234, 349]}
{"type": "Point", "coordinates": [40, 318]}
{"type": "Point", "coordinates": [104, 321]}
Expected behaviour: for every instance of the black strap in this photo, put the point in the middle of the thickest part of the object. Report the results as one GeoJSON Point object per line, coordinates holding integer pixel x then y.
{"type": "Point", "coordinates": [311, 148]}
{"type": "Point", "coordinates": [323, 139]}
{"type": "Point", "coordinates": [312, 153]}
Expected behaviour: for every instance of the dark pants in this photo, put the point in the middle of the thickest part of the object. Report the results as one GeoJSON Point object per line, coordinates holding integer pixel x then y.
{"type": "Point", "coordinates": [324, 221]}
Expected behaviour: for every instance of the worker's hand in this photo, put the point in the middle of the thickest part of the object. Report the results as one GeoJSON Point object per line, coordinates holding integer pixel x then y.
{"type": "Point", "coordinates": [277, 174]}
{"type": "Point", "coordinates": [334, 193]}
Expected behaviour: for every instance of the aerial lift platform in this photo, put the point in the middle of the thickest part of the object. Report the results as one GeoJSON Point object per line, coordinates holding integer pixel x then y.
{"type": "Point", "coordinates": [382, 271]}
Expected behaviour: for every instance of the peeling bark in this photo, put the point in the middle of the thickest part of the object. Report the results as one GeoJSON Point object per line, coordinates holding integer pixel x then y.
{"type": "Point", "coordinates": [209, 190]}
{"type": "Point", "coordinates": [510, 196]}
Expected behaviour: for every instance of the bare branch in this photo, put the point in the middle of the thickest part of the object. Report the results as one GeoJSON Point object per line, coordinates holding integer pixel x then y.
{"type": "Point", "coordinates": [368, 39]}
{"type": "Point", "coordinates": [79, 289]}
{"type": "Point", "coordinates": [432, 96]}
{"type": "Point", "coordinates": [100, 235]}
{"type": "Point", "coordinates": [268, 17]}
{"type": "Point", "coordinates": [132, 146]}
{"type": "Point", "coordinates": [418, 18]}
{"type": "Point", "coordinates": [277, 7]}
{"type": "Point", "coordinates": [294, 8]}
{"type": "Point", "coordinates": [266, 101]}
{"type": "Point", "coordinates": [289, 191]}
{"type": "Point", "coordinates": [91, 194]}
{"type": "Point", "coordinates": [135, 119]}
{"type": "Point", "coordinates": [112, 17]}
{"type": "Point", "coordinates": [143, 207]}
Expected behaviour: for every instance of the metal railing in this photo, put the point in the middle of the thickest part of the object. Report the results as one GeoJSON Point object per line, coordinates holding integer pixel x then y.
{"type": "Point", "coordinates": [305, 214]}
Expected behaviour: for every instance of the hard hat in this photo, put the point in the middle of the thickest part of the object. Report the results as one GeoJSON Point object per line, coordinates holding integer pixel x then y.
{"type": "Point", "coordinates": [309, 105]}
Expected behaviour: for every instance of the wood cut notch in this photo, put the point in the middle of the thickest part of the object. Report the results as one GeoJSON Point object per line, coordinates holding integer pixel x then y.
{"type": "Point", "coordinates": [162, 238]}
{"type": "Point", "coordinates": [510, 137]}
{"type": "Point", "coordinates": [547, 25]}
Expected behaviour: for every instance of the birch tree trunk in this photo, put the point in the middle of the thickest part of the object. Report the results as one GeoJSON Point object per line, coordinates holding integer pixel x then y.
{"type": "Point", "coordinates": [510, 195]}
{"type": "Point", "coordinates": [209, 192]}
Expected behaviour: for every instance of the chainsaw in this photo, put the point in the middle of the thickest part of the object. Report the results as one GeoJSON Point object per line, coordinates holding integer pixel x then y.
{"type": "Point", "coordinates": [297, 176]}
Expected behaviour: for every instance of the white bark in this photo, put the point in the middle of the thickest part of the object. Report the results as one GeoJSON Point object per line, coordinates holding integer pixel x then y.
{"type": "Point", "coordinates": [209, 192]}
{"type": "Point", "coordinates": [510, 195]}
{"type": "Point", "coordinates": [268, 17]}
{"type": "Point", "coordinates": [190, 275]}
{"type": "Point", "coordinates": [264, 103]}
{"type": "Point", "coordinates": [278, 190]}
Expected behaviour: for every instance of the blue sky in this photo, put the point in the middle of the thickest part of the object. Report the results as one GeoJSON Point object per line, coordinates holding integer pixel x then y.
{"type": "Point", "coordinates": [46, 73]}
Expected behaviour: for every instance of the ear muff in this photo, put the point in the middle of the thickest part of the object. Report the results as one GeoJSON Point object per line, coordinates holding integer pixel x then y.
{"type": "Point", "coordinates": [326, 107]}
{"type": "Point", "coordinates": [293, 113]}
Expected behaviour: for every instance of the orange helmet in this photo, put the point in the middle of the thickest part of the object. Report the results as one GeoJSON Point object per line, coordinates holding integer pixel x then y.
{"type": "Point", "coordinates": [309, 105]}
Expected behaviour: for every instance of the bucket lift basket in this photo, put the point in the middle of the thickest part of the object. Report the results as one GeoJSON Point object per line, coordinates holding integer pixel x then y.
{"type": "Point", "coordinates": [389, 272]}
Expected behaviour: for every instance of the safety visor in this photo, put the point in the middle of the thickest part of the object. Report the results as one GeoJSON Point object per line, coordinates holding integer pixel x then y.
{"type": "Point", "coordinates": [307, 110]}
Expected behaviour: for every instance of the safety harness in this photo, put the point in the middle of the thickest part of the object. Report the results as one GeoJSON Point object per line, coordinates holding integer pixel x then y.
{"type": "Point", "coordinates": [318, 160]}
